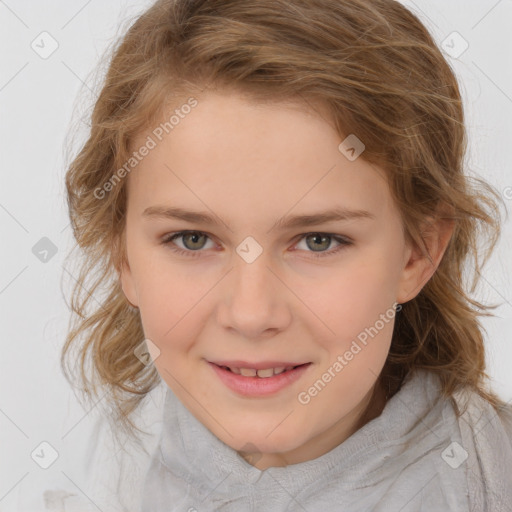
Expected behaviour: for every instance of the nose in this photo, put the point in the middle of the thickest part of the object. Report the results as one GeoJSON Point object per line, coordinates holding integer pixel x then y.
{"type": "Point", "coordinates": [254, 300]}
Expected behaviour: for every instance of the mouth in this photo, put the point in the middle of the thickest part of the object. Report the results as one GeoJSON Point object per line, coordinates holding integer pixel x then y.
{"type": "Point", "coordinates": [263, 373]}
{"type": "Point", "coordinates": [261, 382]}
{"type": "Point", "coordinates": [262, 370]}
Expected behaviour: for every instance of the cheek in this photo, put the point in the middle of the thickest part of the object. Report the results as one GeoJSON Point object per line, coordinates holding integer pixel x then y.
{"type": "Point", "coordinates": [173, 316]}
{"type": "Point", "coordinates": [170, 303]}
{"type": "Point", "coordinates": [356, 296]}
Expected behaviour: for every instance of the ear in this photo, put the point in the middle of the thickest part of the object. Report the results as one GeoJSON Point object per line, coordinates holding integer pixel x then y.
{"type": "Point", "coordinates": [422, 262]}
{"type": "Point", "coordinates": [128, 285]}
{"type": "Point", "coordinates": [124, 273]}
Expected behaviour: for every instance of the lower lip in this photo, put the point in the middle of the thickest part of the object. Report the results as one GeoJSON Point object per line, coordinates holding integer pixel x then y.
{"type": "Point", "coordinates": [257, 386]}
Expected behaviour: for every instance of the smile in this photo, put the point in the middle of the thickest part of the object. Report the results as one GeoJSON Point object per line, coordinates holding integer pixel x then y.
{"type": "Point", "coordinates": [258, 382]}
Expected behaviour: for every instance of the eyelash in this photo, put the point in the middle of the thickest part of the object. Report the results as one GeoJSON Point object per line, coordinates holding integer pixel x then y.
{"type": "Point", "coordinates": [344, 243]}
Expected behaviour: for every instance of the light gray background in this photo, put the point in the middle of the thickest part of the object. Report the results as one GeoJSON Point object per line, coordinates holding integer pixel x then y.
{"type": "Point", "coordinates": [39, 98]}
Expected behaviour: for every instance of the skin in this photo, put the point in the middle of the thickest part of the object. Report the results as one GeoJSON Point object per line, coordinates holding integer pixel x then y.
{"type": "Point", "coordinates": [250, 164]}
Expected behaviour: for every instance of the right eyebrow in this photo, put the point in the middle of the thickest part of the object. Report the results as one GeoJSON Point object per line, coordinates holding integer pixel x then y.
{"type": "Point", "coordinates": [171, 212]}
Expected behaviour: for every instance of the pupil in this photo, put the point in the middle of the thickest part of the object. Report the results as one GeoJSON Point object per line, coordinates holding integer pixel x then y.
{"type": "Point", "coordinates": [318, 240]}
{"type": "Point", "coordinates": [194, 236]}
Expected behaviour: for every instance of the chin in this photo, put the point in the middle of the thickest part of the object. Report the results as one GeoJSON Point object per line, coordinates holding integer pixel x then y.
{"type": "Point", "coordinates": [248, 441]}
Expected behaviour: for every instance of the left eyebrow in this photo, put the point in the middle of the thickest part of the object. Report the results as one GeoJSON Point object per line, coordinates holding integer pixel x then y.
{"type": "Point", "coordinates": [337, 214]}
{"type": "Point", "coordinates": [286, 222]}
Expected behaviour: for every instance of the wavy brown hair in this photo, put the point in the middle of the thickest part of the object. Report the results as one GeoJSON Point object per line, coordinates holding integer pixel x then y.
{"type": "Point", "coordinates": [378, 71]}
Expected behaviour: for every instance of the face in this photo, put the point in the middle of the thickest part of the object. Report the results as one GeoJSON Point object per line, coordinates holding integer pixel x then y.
{"type": "Point", "coordinates": [261, 280]}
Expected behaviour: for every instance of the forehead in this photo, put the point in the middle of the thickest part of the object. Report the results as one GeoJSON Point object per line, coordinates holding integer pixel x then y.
{"type": "Point", "coordinates": [229, 148]}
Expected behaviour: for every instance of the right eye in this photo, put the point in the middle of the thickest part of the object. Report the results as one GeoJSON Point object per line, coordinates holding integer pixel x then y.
{"type": "Point", "coordinates": [191, 239]}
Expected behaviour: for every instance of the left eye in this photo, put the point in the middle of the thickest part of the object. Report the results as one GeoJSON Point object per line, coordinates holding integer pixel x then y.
{"type": "Point", "coordinates": [321, 240]}
{"type": "Point", "coordinates": [194, 241]}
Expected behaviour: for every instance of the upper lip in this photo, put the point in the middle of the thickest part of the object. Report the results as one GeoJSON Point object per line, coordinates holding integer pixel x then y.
{"type": "Point", "coordinates": [262, 365]}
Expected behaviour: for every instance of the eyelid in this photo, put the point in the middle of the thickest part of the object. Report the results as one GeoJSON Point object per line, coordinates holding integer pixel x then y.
{"type": "Point", "coordinates": [168, 239]}
{"type": "Point", "coordinates": [343, 240]}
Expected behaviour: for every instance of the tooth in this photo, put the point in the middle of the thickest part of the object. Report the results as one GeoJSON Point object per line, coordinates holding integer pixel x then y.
{"type": "Point", "coordinates": [266, 373]}
{"type": "Point", "coordinates": [248, 372]}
